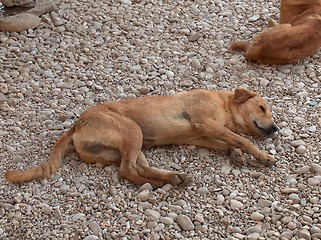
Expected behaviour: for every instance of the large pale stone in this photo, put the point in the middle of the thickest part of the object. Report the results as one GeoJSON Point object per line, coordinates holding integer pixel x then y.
{"type": "Point", "coordinates": [12, 3]}
{"type": "Point", "coordinates": [19, 22]}
{"type": "Point", "coordinates": [43, 6]}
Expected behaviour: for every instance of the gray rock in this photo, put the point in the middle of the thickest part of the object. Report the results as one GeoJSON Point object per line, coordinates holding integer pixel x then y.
{"type": "Point", "coordinates": [296, 143]}
{"type": "Point", "coordinates": [143, 195]}
{"type": "Point", "coordinates": [185, 222]}
{"type": "Point", "coordinates": [236, 205]}
{"type": "Point", "coordinates": [152, 213]}
{"type": "Point", "coordinates": [196, 63]}
{"type": "Point", "coordinates": [316, 180]}
{"type": "Point", "coordinates": [256, 216]}
{"type": "Point", "coordinates": [11, 3]}
{"type": "Point", "coordinates": [166, 220]}
{"type": "Point", "coordinates": [91, 237]}
{"type": "Point", "coordinates": [303, 170]}
{"type": "Point", "coordinates": [304, 233]}
{"type": "Point", "coordinates": [203, 191]}
{"type": "Point", "coordinates": [316, 168]}
{"type": "Point", "coordinates": [94, 227]}
{"type": "Point", "coordinates": [146, 186]}
{"type": "Point", "coordinates": [19, 22]}
{"type": "Point", "coordinates": [43, 6]}
{"type": "Point", "coordinates": [264, 203]}
{"type": "Point", "coordinates": [78, 216]}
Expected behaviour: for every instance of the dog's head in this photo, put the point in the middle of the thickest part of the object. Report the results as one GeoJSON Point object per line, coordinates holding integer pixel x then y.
{"type": "Point", "coordinates": [251, 114]}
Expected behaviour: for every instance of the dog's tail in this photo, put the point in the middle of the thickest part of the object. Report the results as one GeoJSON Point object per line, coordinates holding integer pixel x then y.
{"type": "Point", "coordinates": [60, 149]}
{"type": "Point", "coordinates": [239, 46]}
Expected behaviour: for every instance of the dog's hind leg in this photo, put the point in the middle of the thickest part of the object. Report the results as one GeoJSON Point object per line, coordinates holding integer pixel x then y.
{"type": "Point", "coordinates": [172, 177]}
{"type": "Point", "coordinates": [130, 151]}
{"type": "Point", "coordinates": [111, 138]}
{"type": "Point", "coordinates": [272, 22]}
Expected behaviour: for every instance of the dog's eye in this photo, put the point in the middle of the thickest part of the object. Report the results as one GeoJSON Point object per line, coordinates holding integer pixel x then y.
{"type": "Point", "coordinates": [262, 108]}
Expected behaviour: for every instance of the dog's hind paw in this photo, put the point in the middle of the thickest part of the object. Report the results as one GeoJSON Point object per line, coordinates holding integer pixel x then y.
{"type": "Point", "coordinates": [272, 23]}
{"type": "Point", "coordinates": [181, 180]}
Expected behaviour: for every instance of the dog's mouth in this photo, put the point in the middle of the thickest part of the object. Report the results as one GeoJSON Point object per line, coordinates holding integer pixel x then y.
{"type": "Point", "coordinates": [266, 131]}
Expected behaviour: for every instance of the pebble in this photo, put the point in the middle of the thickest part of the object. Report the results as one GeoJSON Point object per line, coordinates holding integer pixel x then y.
{"type": "Point", "coordinates": [220, 199]}
{"type": "Point", "coordinates": [196, 63]}
{"type": "Point", "coordinates": [256, 216]}
{"type": "Point", "coordinates": [154, 214]}
{"type": "Point", "coordinates": [264, 203]}
{"type": "Point", "coordinates": [253, 236]}
{"type": "Point", "coordinates": [185, 223]}
{"type": "Point", "coordinates": [316, 168]}
{"type": "Point", "coordinates": [166, 220]}
{"type": "Point", "coordinates": [304, 233]}
{"type": "Point", "coordinates": [78, 216]}
{"type": "Point", "coordinates": [226, 169]}
{"type": "Point", "coordinates": [203, 191]}
{"type": "Point", "coordinates": [301, 149]}
{"type": "Point", "coordinates": [203, 152]}
{"type": "Point", "coordinates": [146, 186]}
{"type": "Point", "coordinates": [19, 22]}
{"type": "Point", "coordinates": [236, 205]}
{"type": "Point", "coordinates": [303, 170]}
{"type": "Point", "coordinates": [94, 227]}
{"type": "Point", "coordinates": [254, 18]}
{"type": "Point", "coordinates": [289, 190]}
{"type": "Point", "coordinates": [297, 143]}
{"type": "Point", "coordinates": [314, 181]}
{"type": "Point", "coordinates": [91, 237]}
{"type": "Point", "coordinates": [143, 195]}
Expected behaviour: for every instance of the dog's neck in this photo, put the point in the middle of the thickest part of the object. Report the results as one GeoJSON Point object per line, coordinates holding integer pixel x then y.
{"type": "Point", "coordinates": [230, 121]}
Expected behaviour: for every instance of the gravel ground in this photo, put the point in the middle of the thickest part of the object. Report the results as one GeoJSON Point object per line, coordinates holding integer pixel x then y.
{"type": "Point", "coordinates": [90, 52]}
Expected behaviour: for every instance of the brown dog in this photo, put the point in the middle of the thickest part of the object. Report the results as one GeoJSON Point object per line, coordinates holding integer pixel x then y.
{"type": "Point", "coordinates": [298, 35]}
{"type": "Point", "coordinates": [115, 132]}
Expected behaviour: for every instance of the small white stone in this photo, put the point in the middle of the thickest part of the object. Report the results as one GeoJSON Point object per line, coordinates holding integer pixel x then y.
{"type": "Point", "coordinates": [254, 18]}
{"type": "Point", "coordinates": [220, 199]}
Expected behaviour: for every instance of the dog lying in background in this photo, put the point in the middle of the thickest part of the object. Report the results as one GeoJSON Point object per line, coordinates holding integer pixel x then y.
{"type": "Point", "coordinates": [297, 36]}
{"type": "Point", "coordinates": [115, 132]}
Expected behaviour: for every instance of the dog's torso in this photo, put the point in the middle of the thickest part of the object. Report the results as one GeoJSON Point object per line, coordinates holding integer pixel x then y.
{"type": "Point", "coordinates": [288, 42]}
{"type": "Point", "coordinates": [157, 119]}
{"type": "Point", "coordinates": [298, 35]}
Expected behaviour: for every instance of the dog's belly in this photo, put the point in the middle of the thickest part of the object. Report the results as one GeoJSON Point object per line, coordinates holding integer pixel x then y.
{"type": "Point", "coordinates": [173, 132]}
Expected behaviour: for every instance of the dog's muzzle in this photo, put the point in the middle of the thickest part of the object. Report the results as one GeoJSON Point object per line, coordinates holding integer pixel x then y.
{"type": "Point", "coordinates": [267, 131]}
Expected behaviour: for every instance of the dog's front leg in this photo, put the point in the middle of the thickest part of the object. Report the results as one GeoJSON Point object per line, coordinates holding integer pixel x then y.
{"type": "Point", "coordinates": [212, 129]}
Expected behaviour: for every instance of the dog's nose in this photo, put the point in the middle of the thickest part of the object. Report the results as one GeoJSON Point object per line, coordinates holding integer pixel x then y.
{"type": "Point", "coordinates": [274, 128]}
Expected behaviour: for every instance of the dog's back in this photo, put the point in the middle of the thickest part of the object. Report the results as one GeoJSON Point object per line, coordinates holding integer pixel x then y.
{"type": "Point", "coordinates": [292, 8]}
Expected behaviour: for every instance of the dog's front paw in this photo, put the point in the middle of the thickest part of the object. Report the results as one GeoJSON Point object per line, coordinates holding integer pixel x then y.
{"type": "Point", "coordinates": [267, 160]}
{"type": "Point", "coordinates": [181, 180]}
{"type": "Point", "coordinates": [237, 157]}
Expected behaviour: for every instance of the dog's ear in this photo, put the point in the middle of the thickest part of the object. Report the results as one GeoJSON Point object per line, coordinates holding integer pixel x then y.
{"type": "Point", "coordinates": [241, 95]}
